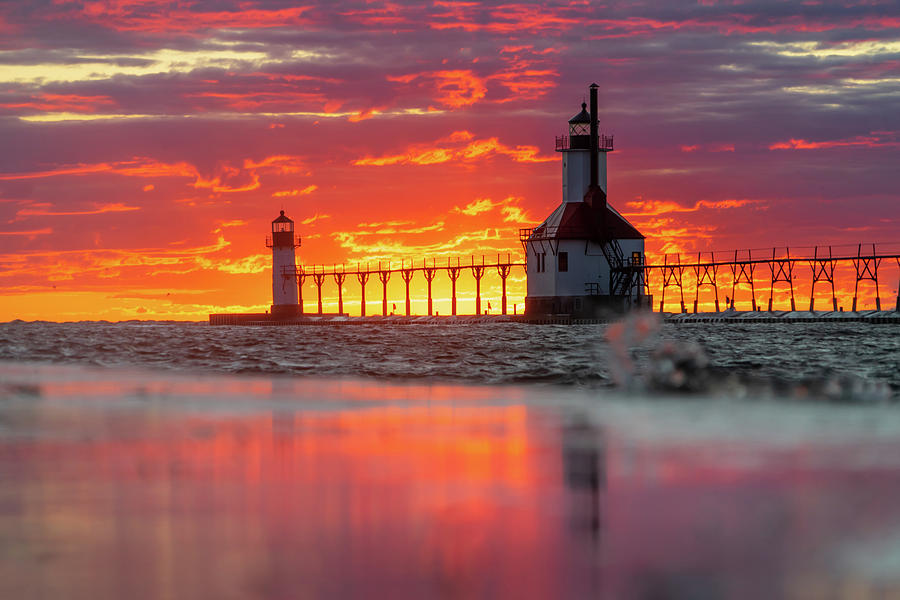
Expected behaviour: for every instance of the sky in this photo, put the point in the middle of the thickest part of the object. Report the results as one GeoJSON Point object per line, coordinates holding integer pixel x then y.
{"type": "Point", "coordinates": [148, 144]}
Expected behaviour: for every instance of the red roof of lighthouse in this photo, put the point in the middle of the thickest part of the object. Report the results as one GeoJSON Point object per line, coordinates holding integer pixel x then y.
{"type": "Point", "coordinates": [578, 221]}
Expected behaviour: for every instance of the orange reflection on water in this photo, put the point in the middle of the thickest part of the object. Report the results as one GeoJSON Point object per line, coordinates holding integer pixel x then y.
{"type": "Point", "coordinates": [305, 504]}
{"type": "Point", "coordinates": [129, 485]}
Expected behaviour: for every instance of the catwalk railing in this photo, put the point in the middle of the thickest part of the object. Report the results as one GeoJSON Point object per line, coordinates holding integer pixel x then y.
{"type": "Point", "coordinates": [362, 272]}
{"type": "Point", "coordinates": [729, 273]}
{"type": "Point", "coordinates": [786, 266]}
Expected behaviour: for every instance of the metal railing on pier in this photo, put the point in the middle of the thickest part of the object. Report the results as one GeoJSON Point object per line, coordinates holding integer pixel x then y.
{"type": "Point", "coordinates": [780, 265]}
{"type": "Point", "coordinates": [724, 273]}
{"type": "Point", "coordinates": [453, 267]}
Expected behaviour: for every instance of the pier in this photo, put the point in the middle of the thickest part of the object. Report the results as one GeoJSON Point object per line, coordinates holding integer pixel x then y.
{"type": "Point", "coordinates": [750, 285]}
{"type": "Point", "coordinates": [759, 269]}
{"type": "Point", "coordinates": [407, 270]}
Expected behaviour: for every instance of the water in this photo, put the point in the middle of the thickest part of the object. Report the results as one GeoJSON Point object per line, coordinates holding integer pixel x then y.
{"type": "Point", "coordinates": [149, 460]}
{"type": "Point", "coordinates": [499, 353]}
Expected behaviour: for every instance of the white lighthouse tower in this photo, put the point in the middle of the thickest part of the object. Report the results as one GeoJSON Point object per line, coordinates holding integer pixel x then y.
{"type": "Point", "coordinates": [284, 267]}
{"type": "Point", "coordinates": [585, 259]}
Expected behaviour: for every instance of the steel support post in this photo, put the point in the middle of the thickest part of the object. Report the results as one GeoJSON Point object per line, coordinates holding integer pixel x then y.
{"type": "Point", "coordinates": [866, 268]}
{"type": "Point", "coordinates": [362, 277]}
{"type": "Point", "coordinates": [503, 271]}
{"type": "Point", "coordinates": [407, 275]}
{"type": "Point", "coordinates": [697, 289]}
{"type": "Point", "coordinates": [384, 276]}
{"type": "Point", "coordinates": [319, 279]}
{"type": "Point", "coordinates": [429, 277]}
{"type": "Point", "coordinates": [752, 287]}
{"type": "Point", "coordinates": [662, 300]}
{"type": "Point", "coordinates": [301, 276]}
{"type": "Point", "coordinates": [477, 273]}
{"type": "Point", "coordinates": [454, 275]}
{"type": "Point", "coordinates": [339, 280]}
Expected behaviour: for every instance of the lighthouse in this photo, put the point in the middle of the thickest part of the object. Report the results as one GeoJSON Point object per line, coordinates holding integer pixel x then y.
{"type": "Point", "coordinates": [585, 259]}
{"type": "Point", "coordinates": [284, 268]}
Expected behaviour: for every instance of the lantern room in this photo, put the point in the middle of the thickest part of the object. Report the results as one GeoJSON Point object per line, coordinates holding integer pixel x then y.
{"type": "Point", "coordinates": [283, 232]}
{"type": "Point", "coordinates": [580, 130]}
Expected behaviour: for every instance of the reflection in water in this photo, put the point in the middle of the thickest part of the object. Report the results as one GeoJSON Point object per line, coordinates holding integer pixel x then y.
{"type": "Point", "coordinates": [146, 486]}
{"type": "Point", "coordinates": [584, 473]}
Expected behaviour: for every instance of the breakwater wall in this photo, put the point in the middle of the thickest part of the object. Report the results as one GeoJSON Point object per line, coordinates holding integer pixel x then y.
{"type": "Point", "coordinates": [725, 317]}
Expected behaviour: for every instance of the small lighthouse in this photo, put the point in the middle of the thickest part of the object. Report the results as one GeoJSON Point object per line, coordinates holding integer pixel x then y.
{"type": "Point", "coordinates": [585, 259]}
{"type": "Point", "coordinates": [284, 267]}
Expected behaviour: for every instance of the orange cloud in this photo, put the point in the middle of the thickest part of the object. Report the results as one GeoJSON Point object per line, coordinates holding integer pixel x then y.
{"type": "Point", "coordinates": [509, 208]}
{"type": "Point", "coordinates": [154, 16]}
{"type": "Point", "coordinates": [224, 182]}
{"type": "Point", "coordinates": [876, 140]}
{"type": "Point", "coordinates": [33, 232]}
{"type": "Point", "coordinates": [508, 19]}
{"type": "Point", "coordinates": [62, 103]}
{"type": "Point", "coordinates": [456, 88]}
{"type": "Point", "coordinates": [475, 149]}
{"type": "Point", "coordinates": [388, 248]}
{"type": "Point", "coordinates": [515, 214]}
{"type": "Point", "coordinates": [66, 265]}
{"type": "Point", "coordinates": [305, 191]}
{"type": "Point", "coordinates": [314, 218]}
{"type": "Point", "coordinates": [257, 99]}
{"type": "Point", "coordinates": [476, 207]}
{"type": "Point", "coordinates": [256, 263]}
{"type": "Point", "coordinates": [644, 208]}
{"type": "Point", "coordinates": [43, 210]}
{"type": "Point", "coordinates": [524, 78]}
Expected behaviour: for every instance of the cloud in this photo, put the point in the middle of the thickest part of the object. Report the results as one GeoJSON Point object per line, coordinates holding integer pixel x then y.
{"type": "Point", "coordinates": [44, 210]}
{"type": "Point", "coordinates": [44, 101]}
{"type": "Point", "coordinates": [228, 179]}
{"type": "Point", "coordinates": [156, 16]}
{"type": "Point", "coordinates": [509, 208]}
{"type": "Point", "coordinates": [475, 149]}
{"type": "Point", "coordinates": [644, 208]}
{"type": "Point", "coordinates": [67, 265]}
{"type": "Point", "coordinates": [256, 263]}
{"type": "Point", "coordinates": [387, 249]}
{"type": "Point", "coordinates": [314, 218]}
{"type": "Point", "coordinates": [455, 88]}
{"type": "Point", "coordinates": [875, 140]}
{"type": "Point", "coordinates": [476, 207]}
{"type": "Point", "coordinates": [30, 233]}
{"type": "Point", "coordinates": [290, 193]}
{"type": "Point", "coordinates": [514, 214]}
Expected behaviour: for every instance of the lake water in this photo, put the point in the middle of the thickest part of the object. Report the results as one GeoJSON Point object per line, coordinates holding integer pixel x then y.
{"type": "Point", "coordinates": [153, 460]}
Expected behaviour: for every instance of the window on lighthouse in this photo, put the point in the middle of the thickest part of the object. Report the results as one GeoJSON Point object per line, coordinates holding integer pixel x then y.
{"type": "Point", "coordinates": [283, 227]}
{"type": "Point", "coordinates": [579, 129]}
{"type": "Point", "coordinates": [563, 262]}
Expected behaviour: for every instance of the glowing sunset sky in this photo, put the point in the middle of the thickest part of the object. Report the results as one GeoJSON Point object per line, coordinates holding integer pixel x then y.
{"type": "Point", "coordinates": [147, 145]}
